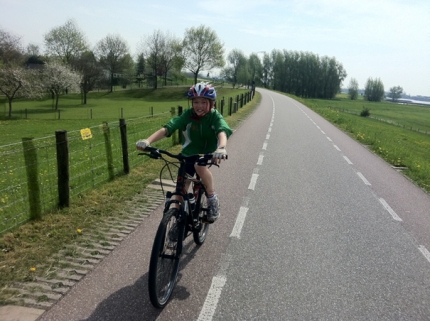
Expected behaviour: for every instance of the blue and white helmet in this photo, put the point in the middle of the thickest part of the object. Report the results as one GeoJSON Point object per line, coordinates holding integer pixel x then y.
{"type": "Point", "coordinates": [202, 89]}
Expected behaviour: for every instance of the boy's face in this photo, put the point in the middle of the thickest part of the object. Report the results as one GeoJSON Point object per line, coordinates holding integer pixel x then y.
{"type": "Point", "coordinates": [201, 106]}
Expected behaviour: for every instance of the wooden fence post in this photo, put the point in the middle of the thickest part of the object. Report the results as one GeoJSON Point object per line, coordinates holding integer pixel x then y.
{"type": "Point", "coordinates": [30, 157]}
{"type": "Point", "coordinates": [124, 145]}
{"type": "Point", "coordinates": [108, 146]}
{"type": "Point", "coordinates": [230, 106]}
{"type": "Point", "coordinates": [63, 174]}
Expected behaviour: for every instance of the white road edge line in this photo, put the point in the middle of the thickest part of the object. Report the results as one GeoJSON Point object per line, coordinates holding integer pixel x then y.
{"type": "Point", "coordinates": [363, 178]}
{"type": "Point", "coordinates": [347, 160]}
{"type": "Point", "coordinates": [253, 181]}
{"type": "Point", "coordinates": [390, 210]}
{"type": "Point", "coordinates": [260, 160]}
{"type": "Point", "coordinates": [240, 220]}
{"type": "Point", "coordinates": [425, 252]}
{"type": "Point", "coordinates": [211, 302]}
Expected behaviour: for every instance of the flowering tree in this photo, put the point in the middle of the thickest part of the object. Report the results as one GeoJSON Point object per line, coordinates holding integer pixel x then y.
{"type": "Point", "coordinates": [59, 79]}
{"type": "Point", "coordinates": [17, 82]}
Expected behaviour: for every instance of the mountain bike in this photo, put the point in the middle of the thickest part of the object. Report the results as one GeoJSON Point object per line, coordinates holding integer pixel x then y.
{"type": "Point", "coordinates": [181, 218]}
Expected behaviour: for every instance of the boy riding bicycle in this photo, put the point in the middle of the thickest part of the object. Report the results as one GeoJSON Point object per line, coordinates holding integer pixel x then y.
{"type": "Point", "coordinates": [204, 131]}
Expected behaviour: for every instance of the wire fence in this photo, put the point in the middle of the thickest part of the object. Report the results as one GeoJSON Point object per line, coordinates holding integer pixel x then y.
{"type": "Point", "coordinates": [32, 176]}
{"type": "Point", "coordinates": [29, 170]}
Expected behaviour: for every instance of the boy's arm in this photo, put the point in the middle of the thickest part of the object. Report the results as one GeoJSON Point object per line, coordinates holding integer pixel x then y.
{"type": "Point", "coordinates": [221, 151]}
{"type": "Point", "coordinates": [159, 134]}
{"type": "Point", "coordinates": [222, 140]}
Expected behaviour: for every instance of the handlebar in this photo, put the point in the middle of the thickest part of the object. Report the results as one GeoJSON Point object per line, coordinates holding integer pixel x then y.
{"type": "Point", "coordinates": [156, 153]}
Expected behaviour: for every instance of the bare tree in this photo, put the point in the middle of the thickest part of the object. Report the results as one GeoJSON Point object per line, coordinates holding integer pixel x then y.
{"type": "Point", "coordinates": [10, 48]}
{"type": "Point", "coordinates": [172, 56]}
{"type": "Point", "coordinates": [202, 50]}
{"type": "Point", "coordinates": [59, 78]}
{"type": "Point", "coordinates": [153, 48]}
{"type": "Point", "coordinates": [90, 70]}
{"type": "Point", "coordinates": [17, 82]}
{"type": "Point", "coordinates": [111, 52]}
{"type": "Point", "coordinates": [32, 50]}
{"type": "Point", "coordinates": [65, 42]}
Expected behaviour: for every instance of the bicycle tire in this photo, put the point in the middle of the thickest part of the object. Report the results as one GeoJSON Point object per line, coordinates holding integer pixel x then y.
{"type": "Point", "coordinates": [200, 234]}
{"type": "Point", "coordinates": [164, 262]}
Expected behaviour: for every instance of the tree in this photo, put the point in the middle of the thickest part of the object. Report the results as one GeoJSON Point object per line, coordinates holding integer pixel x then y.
{"type": "Point", "coordinates": [237, 60]}
{"type": "Point", "coordinates": [90, 70]}
{"type": "Point", "coordinates": [395, 92]}
{"type": "Point", "coordinates": [10, 48]}
{"type": "Point", "coordinates": [59, 78]}
{"type": "Point", "coordinates": [254, 67]}
{"type": "Point", "coordinates": [266, 70]}
{"type": "Point", "coordinates": [17, 82]}
{"type": "Point", "coordinates": [128, 75]}
{"type": "Point", "coordinates": [153, 47]}
{"type": "Point", "coordinates": [171, 58]}
{"type": "Point", "coordinates": [374, 90]}
{"type": "Point", "coordinates": [32, 50]}
{"type": "Point", "coordinates": [202, 50]}
{"type": "Point", "coordinates": [140, 69]}
{"type": "Point", "coordinates": [111, 52]}
{"type": "Point", "coordinates": [65, 42]}
{"type": "Point", "coordinates": [353, 89]}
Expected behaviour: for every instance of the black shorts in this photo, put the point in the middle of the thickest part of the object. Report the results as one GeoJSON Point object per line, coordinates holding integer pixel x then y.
{"type": "Point", "coordinates": [190, 169]}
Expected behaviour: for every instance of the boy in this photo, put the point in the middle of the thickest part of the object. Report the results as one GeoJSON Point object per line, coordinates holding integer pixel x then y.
{"type": "Point", "coordinates": [204, 131]}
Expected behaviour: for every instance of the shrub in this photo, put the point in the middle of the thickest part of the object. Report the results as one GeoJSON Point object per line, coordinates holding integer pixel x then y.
{"type": "Point", "coordinates": [365, 112]}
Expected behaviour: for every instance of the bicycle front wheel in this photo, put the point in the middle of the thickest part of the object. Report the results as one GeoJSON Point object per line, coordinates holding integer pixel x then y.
{"type": "Point", "coordinates": [164, 262]}
{"type": "Point", "coordinates": [201, 232]}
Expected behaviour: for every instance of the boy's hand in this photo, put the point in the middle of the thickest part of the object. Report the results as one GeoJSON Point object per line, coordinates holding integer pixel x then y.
{"type": "Point", "coordinates": [142, 144]}
{"type": "Point", "coordinates": [220, 153]}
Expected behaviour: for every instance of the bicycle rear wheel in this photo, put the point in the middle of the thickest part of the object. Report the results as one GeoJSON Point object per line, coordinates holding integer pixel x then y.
{"type": "Point", "coordinates": [164, 262]}
{"type": "Point", "coordinates": [201, 232]}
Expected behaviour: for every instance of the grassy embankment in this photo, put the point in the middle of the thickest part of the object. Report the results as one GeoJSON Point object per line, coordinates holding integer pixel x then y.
{"type": "Point", "coordinates": [400, 134]}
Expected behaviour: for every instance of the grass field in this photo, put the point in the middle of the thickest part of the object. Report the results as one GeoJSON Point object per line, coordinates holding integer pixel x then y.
{"type": "Point", "coordinates": [41, 119]}
{"type": "Point", "coordinates": [400, 134]}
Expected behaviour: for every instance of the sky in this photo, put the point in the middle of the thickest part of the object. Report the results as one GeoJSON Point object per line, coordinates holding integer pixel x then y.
{"type": "Point", "coordinates": [385, 39]}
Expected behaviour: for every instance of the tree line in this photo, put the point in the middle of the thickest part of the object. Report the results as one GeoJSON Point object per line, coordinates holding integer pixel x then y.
{"type": "Point", "coordinates": [374, 90]}
{"type": "Point", "coordinates": [71, 64]}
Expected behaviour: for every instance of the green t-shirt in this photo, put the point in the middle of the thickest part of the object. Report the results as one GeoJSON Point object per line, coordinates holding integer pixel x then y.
{"type": "Point", "coordinates": [200, 135]}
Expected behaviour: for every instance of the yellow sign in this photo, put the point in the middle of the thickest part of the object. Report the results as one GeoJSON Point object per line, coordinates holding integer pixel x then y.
{"type": "Point", "coordinates": [86, 133]}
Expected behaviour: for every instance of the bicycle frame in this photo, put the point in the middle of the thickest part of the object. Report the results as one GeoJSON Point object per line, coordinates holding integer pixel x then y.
{"type": "Point", "coordinates": [180, 191]}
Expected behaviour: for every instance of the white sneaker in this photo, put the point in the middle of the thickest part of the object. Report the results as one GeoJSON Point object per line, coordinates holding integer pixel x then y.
{"type": "Point", "coordinates": [213, 209]}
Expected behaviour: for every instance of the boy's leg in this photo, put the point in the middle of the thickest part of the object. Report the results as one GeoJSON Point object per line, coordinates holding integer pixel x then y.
{"type": "Point", "coordinates": [213, 204]}
{"type": "Point", "coordinates": [207, 178]}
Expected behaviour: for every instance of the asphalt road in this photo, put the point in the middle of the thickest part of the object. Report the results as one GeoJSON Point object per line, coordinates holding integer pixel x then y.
{"type": "Point", "coordinates": [313, 226]}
